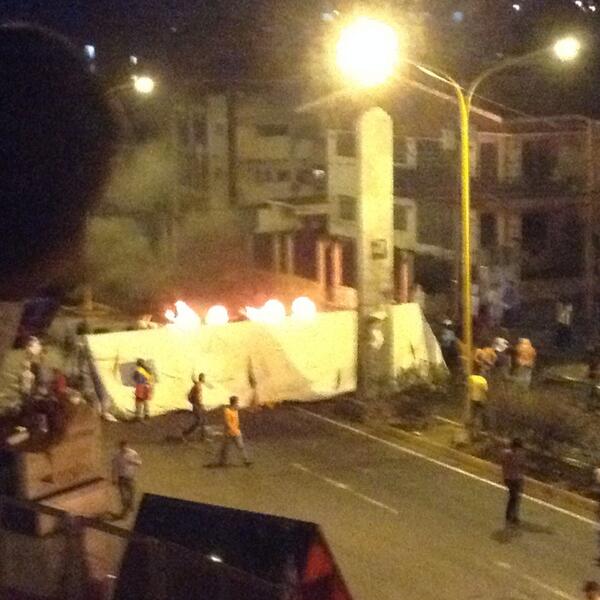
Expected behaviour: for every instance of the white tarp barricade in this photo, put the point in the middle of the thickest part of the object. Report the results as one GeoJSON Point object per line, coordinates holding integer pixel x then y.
{"type": "Point", "coordinates": [293, 360]}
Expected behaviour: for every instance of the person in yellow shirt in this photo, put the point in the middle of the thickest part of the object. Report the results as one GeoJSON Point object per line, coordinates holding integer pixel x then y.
{"type": "Point", "coordinates": [232, 433]}
{"type": "Point", "coordinates": [477, 389]}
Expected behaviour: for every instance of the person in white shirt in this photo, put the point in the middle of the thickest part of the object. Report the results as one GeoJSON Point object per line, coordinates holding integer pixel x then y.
{"type": "Point", "coordinates": [124, 468]}
{"type": "Point", "coordinates": [26, 381]}
{"type": "Point", "coordinates": [564, 324]}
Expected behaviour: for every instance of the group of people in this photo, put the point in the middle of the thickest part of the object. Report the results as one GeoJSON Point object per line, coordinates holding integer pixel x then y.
{"type": "Point", "coordinates": [127, 461]}
{"type": "Point", "coordinates": [43, 390]}
{"type": "Point", "coordinates": [500, 362]}
{"type": "Point", "coordinates": [500, 357]}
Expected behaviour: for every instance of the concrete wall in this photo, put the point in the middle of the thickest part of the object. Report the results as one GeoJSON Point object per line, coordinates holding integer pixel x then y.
{"type": "Point", "coordinates": [294, 360]}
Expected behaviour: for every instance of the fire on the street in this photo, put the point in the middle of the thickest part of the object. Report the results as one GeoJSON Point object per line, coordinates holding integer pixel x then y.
{"type": "Point", "coordinates": [272, 312]}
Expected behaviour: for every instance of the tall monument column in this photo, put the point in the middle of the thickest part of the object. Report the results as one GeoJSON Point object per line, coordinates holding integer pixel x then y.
{"type": "Point", "coordinates": [375, 253]}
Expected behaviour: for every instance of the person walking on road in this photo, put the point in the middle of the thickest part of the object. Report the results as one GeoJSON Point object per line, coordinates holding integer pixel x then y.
{"type": "Point", "coordinates": [196, 399]}
{"type": "Point", "coordinates": [232, 433]}
{"type": "Point", "coordinates": [124, 468]}
{"type": "Point", "coordinates": [512, 471]}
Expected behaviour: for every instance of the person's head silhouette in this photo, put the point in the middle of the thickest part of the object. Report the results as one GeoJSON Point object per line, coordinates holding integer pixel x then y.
{"type": "Point", "coordinates": [57, 137]}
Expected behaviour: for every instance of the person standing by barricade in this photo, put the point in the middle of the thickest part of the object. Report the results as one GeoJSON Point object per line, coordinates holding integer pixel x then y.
{"type": "Point", "coordinates": [143, 380]}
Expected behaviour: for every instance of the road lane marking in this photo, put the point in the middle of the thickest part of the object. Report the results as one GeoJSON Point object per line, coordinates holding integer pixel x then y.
{"type": "Point", "coordinates": [444, 465]}
{"type": "Point", "coordinates": [535, 581]}
{"type": "Point", "coordinates": [346, 488]}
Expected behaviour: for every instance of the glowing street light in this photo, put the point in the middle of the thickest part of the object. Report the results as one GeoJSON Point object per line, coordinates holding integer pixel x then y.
{"type": "Point", "coordinates": [143, 84]}
{"type": "Point", "coordinates": [368, 51]}
{"type": "Point", "coordinates": [567, 49]}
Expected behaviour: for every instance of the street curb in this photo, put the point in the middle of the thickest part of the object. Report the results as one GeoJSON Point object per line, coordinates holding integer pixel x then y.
{"type": "Point", "coordinates": [478, 466]}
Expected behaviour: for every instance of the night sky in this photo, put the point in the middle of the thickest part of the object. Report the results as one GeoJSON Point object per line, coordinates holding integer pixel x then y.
{"type": "Point", "coordinates": [269, 39]}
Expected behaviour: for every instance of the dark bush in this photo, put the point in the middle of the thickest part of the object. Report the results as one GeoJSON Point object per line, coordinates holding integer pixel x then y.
{"type": "Point", "coordinates": [545, 421]}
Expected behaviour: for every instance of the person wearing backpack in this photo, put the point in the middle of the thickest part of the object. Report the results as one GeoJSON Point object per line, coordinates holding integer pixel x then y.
{"type": "Point", "coordinates": [143, 380]}
{"type": "Point", "coordinates": [196, 399]}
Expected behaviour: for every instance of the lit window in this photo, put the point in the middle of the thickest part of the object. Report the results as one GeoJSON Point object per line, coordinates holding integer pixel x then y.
{"type": "Point", "coordinates": [133, 60]}
{"type": "Point", "coordinates": [347, 208]}
{"type": "Point", "coordinates": [458, 16]}
{"type": "Point", "coordinates": [516, 7]}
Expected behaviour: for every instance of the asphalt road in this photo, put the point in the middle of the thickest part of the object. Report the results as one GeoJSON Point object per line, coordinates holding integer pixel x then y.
{"type": "Point", "coordinates": [400, 526]}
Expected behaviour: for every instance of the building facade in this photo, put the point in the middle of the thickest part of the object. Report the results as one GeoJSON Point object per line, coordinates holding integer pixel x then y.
{"type": "Point", "coordinates": [287, 181]}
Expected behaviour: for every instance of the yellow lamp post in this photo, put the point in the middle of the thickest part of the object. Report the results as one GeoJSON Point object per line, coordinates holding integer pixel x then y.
{"type": "Point", "coordinates": [565, 49]}
{"type": "Point", "coordinates": [364, 55]}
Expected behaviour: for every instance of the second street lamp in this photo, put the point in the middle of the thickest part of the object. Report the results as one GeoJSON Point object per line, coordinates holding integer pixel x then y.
{"type": "Point", "coordinates": [353, 43]}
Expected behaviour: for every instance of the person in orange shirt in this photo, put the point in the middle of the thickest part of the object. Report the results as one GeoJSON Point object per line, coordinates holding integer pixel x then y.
{"type": "Point", "coordinates": [232, 433]}
{"type": "Point", "coordinates": [485, 359]}
{"type": "Point", "coordinates": [525, 355]}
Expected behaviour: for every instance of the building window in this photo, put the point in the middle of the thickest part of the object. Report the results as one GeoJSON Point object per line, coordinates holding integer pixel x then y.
{"type": "Point", "coordinates": [347, 208]}
{"type": "Point", "coordinates": [488, 235]}
{"type": "Point", "coordinates": [272, 130]}
{"type": "Point", "coordinates": [400, 151]}
{"type": "Point", "coordinates": [345, 144]}
{"type": "Point", "coordinates": [540, 158]}
{"type": "Point", "coordinates": [534, 231]}
{"type": "Point", "coordinates": [283, 175]}
{"type": "Point", "coordinates": [400, 217]}
{"type": "Point", "coordinates": [429, 155]}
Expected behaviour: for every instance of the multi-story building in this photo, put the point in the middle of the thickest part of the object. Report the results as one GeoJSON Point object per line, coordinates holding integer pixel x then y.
{"type": "Point", "coordinates": [288, 181]}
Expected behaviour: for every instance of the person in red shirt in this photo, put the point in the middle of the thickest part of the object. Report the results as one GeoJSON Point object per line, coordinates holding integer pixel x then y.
{"type": "Point", "coordinates": [59, 385]}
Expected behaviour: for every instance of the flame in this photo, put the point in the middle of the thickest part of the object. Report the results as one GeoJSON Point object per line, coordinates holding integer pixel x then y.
{"type": "Point", "coordinates": [271, 313]}
{"type": "Point", "coordinates": [183, 317]}
{"type": "Point", "coordinates": [304, 308]}
{"type": "Point", "coordinates": [217, 315]}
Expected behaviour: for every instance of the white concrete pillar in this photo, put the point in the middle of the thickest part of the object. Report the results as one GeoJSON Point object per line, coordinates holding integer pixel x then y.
{"type": "Point", "coordinates": [375, 253]}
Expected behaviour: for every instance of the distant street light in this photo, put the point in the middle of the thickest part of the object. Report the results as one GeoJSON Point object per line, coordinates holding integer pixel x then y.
{"type": "Point", "coordinates": [370, 43]}
{"type": "Point", "coordinates": [140, 84]}
{"type": "Point", "coordinates": [143, 84]}
{"type": "Point", "coordinates": [567, 49]}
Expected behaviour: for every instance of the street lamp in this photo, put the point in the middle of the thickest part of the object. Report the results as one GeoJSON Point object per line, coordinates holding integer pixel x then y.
{"type": "Point", "coordinates": [352, 43]}
{"type": "Point", "coordinates": [565, 49]}
{"type": "Point", "coordinates": [143, 84]}
{"type": "Point", "coordinates": [367, 52]}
